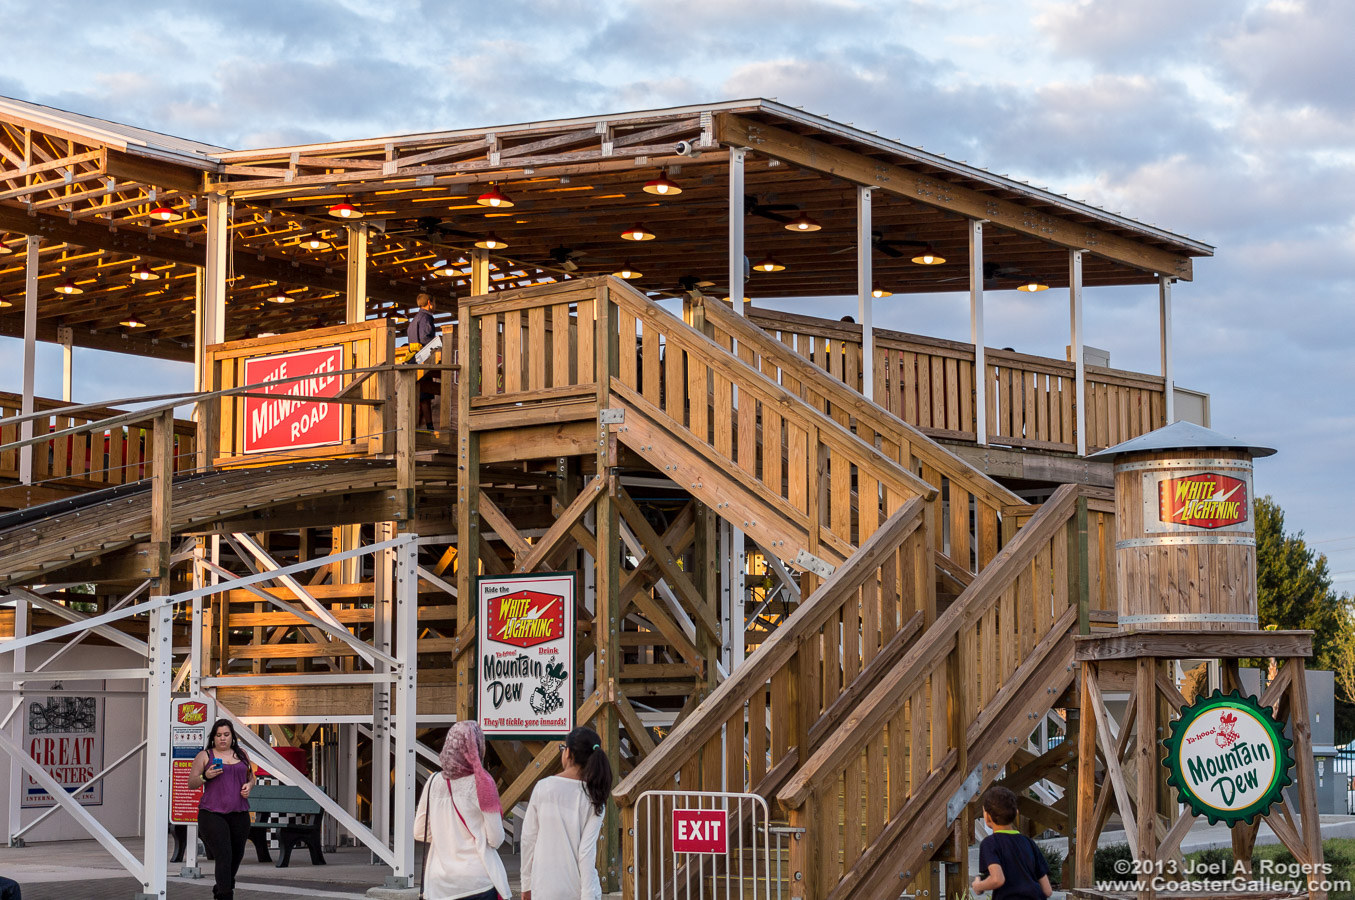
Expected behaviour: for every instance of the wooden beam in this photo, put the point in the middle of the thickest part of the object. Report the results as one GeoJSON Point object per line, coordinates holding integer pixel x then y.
{"type": "Point", "coordinates": [1195, 645]}
{"type": "Point", "coordinates": [858, 168]}
{"type": "Point", "coordinates": [125, 167]}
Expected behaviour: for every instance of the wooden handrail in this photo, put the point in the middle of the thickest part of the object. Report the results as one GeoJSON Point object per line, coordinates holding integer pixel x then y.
{"type": "Point", "coordinates": [774, 654]}
{"type": "Point", "coordinates": [880, 419]}
{"type": "Point", "coordinates": [936, 643]}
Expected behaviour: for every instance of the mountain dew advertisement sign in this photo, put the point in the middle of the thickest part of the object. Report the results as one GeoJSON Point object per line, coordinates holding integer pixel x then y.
{"type": "Point", "coordinates": [1228, 758]}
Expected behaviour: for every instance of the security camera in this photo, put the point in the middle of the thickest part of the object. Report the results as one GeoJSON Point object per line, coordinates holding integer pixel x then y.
{"type": "Point", "coordinates": [685, 148]}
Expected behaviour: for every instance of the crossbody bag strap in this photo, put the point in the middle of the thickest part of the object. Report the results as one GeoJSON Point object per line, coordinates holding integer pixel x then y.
{"type": "Point", "coordinates": [456, 810]}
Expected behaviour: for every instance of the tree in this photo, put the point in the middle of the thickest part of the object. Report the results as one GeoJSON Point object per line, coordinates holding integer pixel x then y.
{"type": "Point", "coordinates": [1293, 591]}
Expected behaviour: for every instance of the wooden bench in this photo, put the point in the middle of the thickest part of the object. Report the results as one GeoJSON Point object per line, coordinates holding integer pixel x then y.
{"type": "Point", "coordinates": [283, 799]}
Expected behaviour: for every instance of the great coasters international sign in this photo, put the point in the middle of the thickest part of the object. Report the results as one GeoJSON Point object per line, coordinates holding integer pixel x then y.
{"type": "Point", "coordinates": [525, 659]}
{"type": "Point", "coordinates": [1228, 758]}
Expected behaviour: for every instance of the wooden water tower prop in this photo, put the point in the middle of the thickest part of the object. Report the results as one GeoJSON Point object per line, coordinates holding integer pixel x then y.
{"type": "Point", "coordinates": [1186, 574]}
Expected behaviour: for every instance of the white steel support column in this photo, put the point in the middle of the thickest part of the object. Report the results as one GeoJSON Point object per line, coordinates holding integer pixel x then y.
{"type": "Point", "coordinates": [865, 245]}
{"type": "Point", "coordinates": [479, 272]}
{"type": "Point", "coordinates": [976, 330]}
{"type": "Point", "coordinates": [405, 721]}
{"type": "Point", "coordinates": [383, 626]}
{"type": "Point", "coordinates": [30, 357]}
{"type": "Point", "coordinates": [1077, 338]}
{"type": "Point", "coordinates": [66, 338]}
{"type": "Point", "coordinates": [158, 693]}
{"type": "Point", "coordinates": [1164, 304]}
{"type": "Point", "coordinates": [215, 273]}
{"type": "Point", "coordinates": [20, 662]}
{"type": "Point", "coordinates": [357, 274]}
{"type": "Point", "coordinates": [736, 254]}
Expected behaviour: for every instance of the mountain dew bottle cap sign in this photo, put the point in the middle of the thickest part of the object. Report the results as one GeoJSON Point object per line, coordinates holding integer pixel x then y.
{"type": "Point", "coordinates": [1228, 758]}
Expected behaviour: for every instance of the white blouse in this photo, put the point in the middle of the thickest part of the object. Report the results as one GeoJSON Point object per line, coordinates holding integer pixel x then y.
{"type": "Point", "coordinates": [560, 842]}
{"type": "Point", "coordinates": [462, 859]}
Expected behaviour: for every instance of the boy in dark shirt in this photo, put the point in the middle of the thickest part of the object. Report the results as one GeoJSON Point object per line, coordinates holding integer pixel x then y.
{"type": "Point", "coordinates": [421, 330]}
{"type": "Point", "coordinates": [1012, 866]}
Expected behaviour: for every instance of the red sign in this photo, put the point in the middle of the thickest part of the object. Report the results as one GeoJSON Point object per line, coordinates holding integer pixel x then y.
{"type": "Point", "coordinates": [700, 831]}
{"type": "Point", "coordinates": [286, 424]}
{"type": "Point", "coordinates": [527, 618]}
{"type": "Point", "coordinates": [1205, 500]}
{"type": "Point", "coordinates": [190, 713]}
{"type": "Point", "coordinates": [183, 803]}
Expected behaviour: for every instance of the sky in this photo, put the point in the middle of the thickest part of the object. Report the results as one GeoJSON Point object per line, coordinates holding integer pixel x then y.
{"type": "Point", "coordinates": [1231, 121]}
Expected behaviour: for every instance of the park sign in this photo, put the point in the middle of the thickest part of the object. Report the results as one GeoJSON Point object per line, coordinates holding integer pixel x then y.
{"type": "Point", "coordinates": [274, 421]}
{"type": "Point", "coordinates": [1195, 501]}
{"type": "Point", "coordinates": [1228, 758]}
{"type": "Point", "coordinates": [525, 655]}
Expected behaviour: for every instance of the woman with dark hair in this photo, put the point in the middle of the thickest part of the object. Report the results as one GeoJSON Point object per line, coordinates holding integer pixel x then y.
{"type": "Point", "coordinates": [460, 818]}
{"type": "Point", "coordinates": [224, 773]}
{"type": "Point", "coordinates": [564, 819]}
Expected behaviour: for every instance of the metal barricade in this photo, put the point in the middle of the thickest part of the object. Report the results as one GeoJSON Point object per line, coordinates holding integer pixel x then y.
{"type": "Point", "coordinates": [690, 845]}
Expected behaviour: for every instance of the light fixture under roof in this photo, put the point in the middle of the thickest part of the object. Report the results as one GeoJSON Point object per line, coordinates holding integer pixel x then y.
{"type": "Point", "coordinates": [443, 269]}
{"type": "Point", "coordinates": [495, 198]}
{"type": "Point", "coordinates": [345, 210]}
{"type": "Point", "coordinates": [1031, 287]}
{"type": "Point", "coordinates": [803, 222]}
{"type": "Point", "coordinates": [663, 185]}
{"type": "Point", "coordinates": [132, 322]}
{"type": "Point", "coordinates": [165, 213]}
{"type": "Point", "coordinates": [5, 304]}
{"type": "Point", "coordinates": [491, 241]}
{"type": "Point", "coordinates": [638, 232]}
{"type": "Point", "coordinates": [877, 291]}
{"type": "Point", "coordinates": [280, 295]}
{"type": "Point", "coordinates": [928, 257]}
{"type": "Point", "coordinates": [5, 249]}
{"type": "Point", "coordinates": [68, 287]}
{"type": "Point", "coordinates": [144, 272]}
{"type": "Point", "coordinates": [769, 265]}
{"type": "Point", "coordinates": [628, 272]}
{"type": "Point", "coordinates": [315, 242]}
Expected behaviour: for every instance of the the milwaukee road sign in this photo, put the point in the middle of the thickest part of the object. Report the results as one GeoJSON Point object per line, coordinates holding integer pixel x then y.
{"type": "Point", "coordinates": [1198, 501]}
{"type": "Point", "coordinates": [278, 422]}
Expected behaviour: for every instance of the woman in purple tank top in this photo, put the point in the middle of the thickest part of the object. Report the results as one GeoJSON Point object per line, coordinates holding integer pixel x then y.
{"type": "Point", "coordinates": [224, 772]}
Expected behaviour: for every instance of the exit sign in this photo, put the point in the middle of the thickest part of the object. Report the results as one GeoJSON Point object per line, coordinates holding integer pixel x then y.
{"type": "Point", "coordinates": [700, 831]}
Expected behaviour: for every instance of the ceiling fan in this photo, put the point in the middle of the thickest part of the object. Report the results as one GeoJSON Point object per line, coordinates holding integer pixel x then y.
{"type": "Point", "coordinates": [888, 246]}
{"type": "Point", "coordinates": [993, 274]}
{"type": "Point", "coordinates": [774, 212]}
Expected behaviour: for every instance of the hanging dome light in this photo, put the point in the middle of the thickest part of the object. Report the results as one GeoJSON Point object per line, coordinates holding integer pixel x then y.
{"type": "Point", "coordinates": [132, 322]}
{"type": "Point", "coordinates": [315, 242]}
{"type": "Point", "coordinates": [663, 185]}
{"type": "Point", "coordinates": [928, 257]}
{"type": "Point", "coordinates": [144, 272]}
{"type": "Point", "coordinates": [803, 222]}
{"type": "Point", "coordinates": [1032, 287]}
{"type": "Point", "coordinates": [345, 210]}
{"type": "Point", "coordinates": [491, 241]}
{"type": "Point", "coordinates": [495, 198]}
{"type": "Point", "coordinates": [769, 265]}
{"type": "Point", "coordinates": [165, 213]}
{"type": "Point", "coordinates": [281, 296]}
{"type": "Point", "coordinates": [638, 232]}
{"type": "Point", "coordinates": [5, 304]}
{"type": "Point", "coordinates": [443, 269]}
{"type": "Point", "coordinates": [877, 291]}
{"type": "Point", "coordinates": [627, 272]}
{"type": "Point", "coordinates": [68, 287]}
{"type": "Point", "coordinates": [5, 249]}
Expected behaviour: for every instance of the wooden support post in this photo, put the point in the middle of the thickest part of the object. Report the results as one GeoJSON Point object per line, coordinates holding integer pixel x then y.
{"type": "Point", "coordinates": [1302, 730]}
{"type": "Point", "coordinates": [405, 398]}
{"type": "Point", "coordinates": [1084, 851]}
{"type": "Point", "coordinates": [1079, 568]}
{"type": "Point", "coordinates": [607, 618]}
{"type": "Point", "coordinates": [355, 307]}
{"type": "Point", "coordinates": [467, 504]}
{"type": "Point", "coordinates": [1145, 770]}
{"type": "Point", "coordinates": [706, 577]}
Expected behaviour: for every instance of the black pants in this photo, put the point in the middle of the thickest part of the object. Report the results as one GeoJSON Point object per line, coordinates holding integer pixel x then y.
{"type": "Point", "coordinates": [225, 835]}
{"type": "Point", "coordinates": [9, 890]}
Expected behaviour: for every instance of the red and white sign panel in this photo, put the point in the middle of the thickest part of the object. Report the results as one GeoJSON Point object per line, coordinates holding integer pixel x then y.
{"type": "Point", "coordinates": [189, 720]}
{"type": "Point", "coordinates": [278, 422]}
{"type": "Point", "coordinates": [1198, 501]}
{"type": "Point", "coordinates": [526, 669]}
{"type": "Point", "coordinates": [700, 831]}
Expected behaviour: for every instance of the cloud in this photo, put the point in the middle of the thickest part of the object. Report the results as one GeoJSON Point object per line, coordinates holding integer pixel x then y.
{"type": "Point", "coordinates": [1295, 54]}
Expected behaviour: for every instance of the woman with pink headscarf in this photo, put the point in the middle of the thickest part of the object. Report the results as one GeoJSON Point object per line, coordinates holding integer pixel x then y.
{"type": "Point", "coordinates": [461, 820]}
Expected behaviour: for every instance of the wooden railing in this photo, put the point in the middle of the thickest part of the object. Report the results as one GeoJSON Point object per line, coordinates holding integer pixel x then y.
{"type": "Point", "coordinates": [753, 731]}
{"type": "Point", "coordinates": [365, 425]}
{"type": "Point", "coordinates": [969, 533]}
{"type": "Point", "coordinates": [91, 459]}
{"type": "Point", "coordinates": [872, 798]}
{"type": "Point", "coordinates": [805, 466]}
{"type": "Point", "coordinates": [929, 383]}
